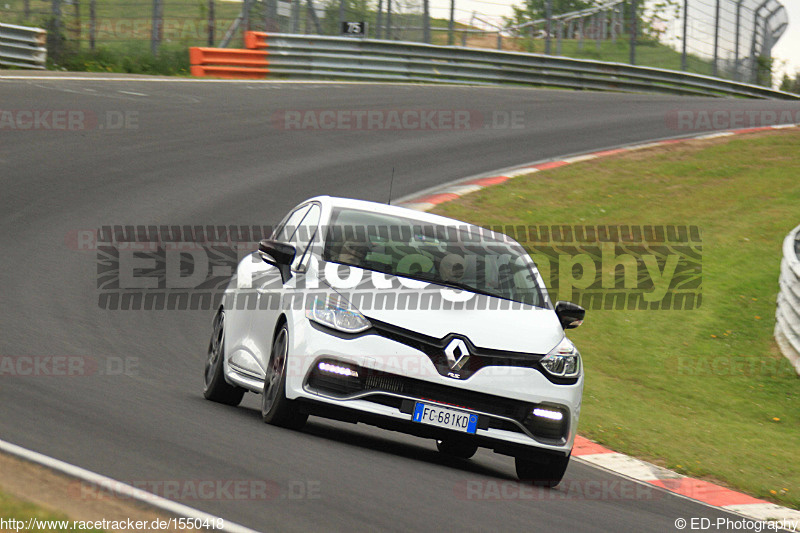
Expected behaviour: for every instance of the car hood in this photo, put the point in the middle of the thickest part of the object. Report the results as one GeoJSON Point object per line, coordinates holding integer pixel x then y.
{"type": "Point", "coordinates": [488, 322]}
{"type": "Point", "coordinates": [530, 330]}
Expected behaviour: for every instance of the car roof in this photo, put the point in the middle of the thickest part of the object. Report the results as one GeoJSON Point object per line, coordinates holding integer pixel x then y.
{"type": "Point", "coordinates": [422, 216]}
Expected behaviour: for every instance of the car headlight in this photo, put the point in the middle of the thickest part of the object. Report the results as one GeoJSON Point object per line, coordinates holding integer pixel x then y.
{"type": "Point", "coordinates": [336, 312]}
{"type": "Point", "coordinates": [563, 361]}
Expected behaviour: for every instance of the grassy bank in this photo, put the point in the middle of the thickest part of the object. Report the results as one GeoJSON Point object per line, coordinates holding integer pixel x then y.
{"type": "Point", "coordinates": [43, 520]}
{"type": "Point", "coordinates": [704, 392]}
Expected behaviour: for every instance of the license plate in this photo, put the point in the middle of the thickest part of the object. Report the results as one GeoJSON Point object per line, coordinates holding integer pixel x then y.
{"type": "Point", "coordinates": [444, 417]}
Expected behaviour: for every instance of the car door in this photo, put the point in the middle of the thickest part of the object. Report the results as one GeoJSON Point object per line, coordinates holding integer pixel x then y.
{"type": "Point", "coordinates": [274, 295]}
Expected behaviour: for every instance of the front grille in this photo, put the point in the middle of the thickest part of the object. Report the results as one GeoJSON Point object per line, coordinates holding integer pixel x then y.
{"type": "Point", "coordinates": [370, 380]}
{"type": "Point", "coordinates": [434, 348]}
{"type": "Point", "coordinates": [379, 387]}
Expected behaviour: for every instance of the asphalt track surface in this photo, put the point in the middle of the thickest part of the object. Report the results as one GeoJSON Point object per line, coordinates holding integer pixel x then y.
{"type": "Point", "coordinates": [210, 153]}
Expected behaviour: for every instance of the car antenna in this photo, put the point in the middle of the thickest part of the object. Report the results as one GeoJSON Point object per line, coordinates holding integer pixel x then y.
{"type": "Point", "coordinates": [391, 184]}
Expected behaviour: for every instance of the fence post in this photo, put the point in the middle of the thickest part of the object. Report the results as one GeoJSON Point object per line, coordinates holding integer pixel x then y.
{"type": "Point", "coordinates": [426, 22]}
{"type": "Point", "coordinates": [613, 28]}
{"type": "Point", "coordinates": [580, 33]}
{"type": "Point", "coordinates": [54, 37]}
{"type": "Point", "coordinates": [92, 23]}
{"type": "Point", "coordinates": [598, 30]}
{"type": "Point", "coordinates": [736, 74]}
{"type": "Point", "coordinates": [389, 19]}
{"type": "Point", "coordinates": [245, 17]}
{"type": "Point", "coordinates": [378, 20]}
{"type": "Point", "coordinates": [295, 27]}
{"type": "Point", "coordinates": [548, 13]}
{"type": "Point", "coordinates": [341, 15]}
{"type": "Point", "coordinates": [155, 31]}
{"type": "Point", "coordinates": [77, 15]}
{"type": "Point", "coordinates": [451, 38]}
{"type": "Point", "coordinates": [559, 32]}
{"type": "Point", "coordinates": [634, 29]}
{"type": "Point", "coordinates": [685, 36]}
{"type": "Point", "coordinates": [716, 39]}
{"type": "Point", "coordinates": [312, 13]}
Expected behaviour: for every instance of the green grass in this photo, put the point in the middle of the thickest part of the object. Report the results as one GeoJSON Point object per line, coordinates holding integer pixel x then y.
{"type": "Point", "coordinates": [650, 388]}
{"type": "Point", "coordinates": [648, 53]}
{"type": "Point", "coordinates": [14, 508]}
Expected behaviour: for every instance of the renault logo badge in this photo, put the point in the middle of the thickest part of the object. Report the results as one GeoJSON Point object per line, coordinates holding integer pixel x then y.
{"type": "Point", "coordinates": [457, 354]}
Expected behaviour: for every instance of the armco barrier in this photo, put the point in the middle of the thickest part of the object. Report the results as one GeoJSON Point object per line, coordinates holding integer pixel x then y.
{"type": "Point", "coordinates": [22, 47]}
{"type": "Point", "coordinates": [228, 63]}
{"type": "Point", "coordinates": [320, 57]}
{"type": "Point", "coordinates": [787, 316]}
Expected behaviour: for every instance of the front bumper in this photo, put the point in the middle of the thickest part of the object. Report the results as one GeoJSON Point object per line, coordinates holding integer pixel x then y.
{"type": "Point", "coordinates": [394, 376]}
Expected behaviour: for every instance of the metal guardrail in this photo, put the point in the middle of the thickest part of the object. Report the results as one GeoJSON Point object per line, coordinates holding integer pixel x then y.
{"type": "Point", "coordinates": [22, 47]}
{"type": "Point", "coordinates": [322, 57]}
{"type": "Point", "coordinates": [787, 316]}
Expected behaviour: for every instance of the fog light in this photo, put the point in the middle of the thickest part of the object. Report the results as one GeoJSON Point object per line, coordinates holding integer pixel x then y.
{"type": "Point", "coordinates": [546, 413]}
{"type": "Point", "coordinates": [337, 369]}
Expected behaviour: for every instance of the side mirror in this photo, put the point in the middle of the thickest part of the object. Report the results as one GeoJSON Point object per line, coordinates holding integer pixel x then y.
{"type": "Point", "coordinates": [569, 314]}
{"type": "Point", "coordinates": [278, 254]}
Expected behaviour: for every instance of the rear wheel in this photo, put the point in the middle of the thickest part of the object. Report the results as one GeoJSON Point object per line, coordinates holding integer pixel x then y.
{"type": "Point", "coordinates": [542, 470]}
{"type": "Point", "coordinates": [276, 409]}
{"type": "Point", "coordinates": [457, 448]}
{"type": "Point", "coordinates": [215, 388]}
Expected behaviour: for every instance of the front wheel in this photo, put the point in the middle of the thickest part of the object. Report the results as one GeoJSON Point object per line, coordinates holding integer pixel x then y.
{"type": "Point", "coordinates": [276, 409]}
{"type": "Point", "coordinates": [542, 470]}
{"type": "Point", "coordinates": [215, 388]}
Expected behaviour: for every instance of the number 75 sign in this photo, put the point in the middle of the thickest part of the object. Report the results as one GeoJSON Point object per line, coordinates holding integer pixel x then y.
{"type": "Point", "coordinates": [354, 28]}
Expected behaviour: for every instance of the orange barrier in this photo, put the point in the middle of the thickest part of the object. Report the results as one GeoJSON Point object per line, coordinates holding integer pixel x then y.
{"type": "Point", "coordinates": [255, 40]}
{"type": "Point", "coordinates": [228, 63]}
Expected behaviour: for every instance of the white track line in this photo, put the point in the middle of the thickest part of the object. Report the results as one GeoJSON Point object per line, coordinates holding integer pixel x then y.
{"type": "Point", "coordinates": [116, 487]}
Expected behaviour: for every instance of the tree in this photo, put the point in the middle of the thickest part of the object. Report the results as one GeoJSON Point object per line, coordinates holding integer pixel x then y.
{"type": "Point", "coordinates": [535, 9]}
{"type": "Point", "coordinates": [790, 85]}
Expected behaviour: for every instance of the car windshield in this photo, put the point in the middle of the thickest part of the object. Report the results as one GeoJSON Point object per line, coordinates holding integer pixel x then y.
{"type": "Point", "coordinates": [463, 257]}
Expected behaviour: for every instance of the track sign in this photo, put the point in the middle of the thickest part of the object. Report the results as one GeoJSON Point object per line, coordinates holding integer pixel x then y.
{"type": "Point", "coordinates": [354, 28]}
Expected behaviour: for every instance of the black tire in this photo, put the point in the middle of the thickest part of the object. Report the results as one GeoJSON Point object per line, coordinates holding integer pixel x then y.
{"type": "Point", "coordinates": [542, 470]}
{"type": "Point", "coordinates": [457, 448]}
{"type": "Point", "coordinates": [276, 409]}
{"type": "Point", "coordinates": [215, 388]}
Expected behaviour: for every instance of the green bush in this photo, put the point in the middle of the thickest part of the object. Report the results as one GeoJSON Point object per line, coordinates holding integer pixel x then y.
{"type": "Point", "coordinates": [133, 59]}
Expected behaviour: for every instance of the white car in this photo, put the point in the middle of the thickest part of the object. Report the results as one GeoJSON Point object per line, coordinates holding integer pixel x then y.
{"type": "Point", "coordinates": [409, 321]}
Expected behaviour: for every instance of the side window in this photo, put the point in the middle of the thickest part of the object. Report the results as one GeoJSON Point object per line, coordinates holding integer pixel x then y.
{"type": "Point", "coordinates": [289, 227]}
